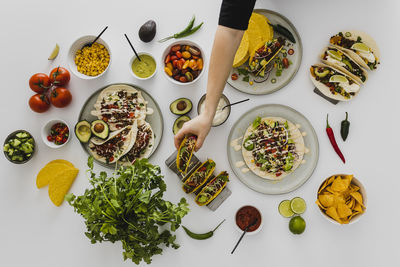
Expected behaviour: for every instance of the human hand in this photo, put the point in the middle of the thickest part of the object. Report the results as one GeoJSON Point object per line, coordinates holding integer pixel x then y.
{"type": "Point", "coordinates": [199, 126]}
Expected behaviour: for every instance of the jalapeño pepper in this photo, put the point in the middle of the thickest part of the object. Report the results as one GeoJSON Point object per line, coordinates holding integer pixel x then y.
{"type": "Point", "coordinates": [344, 128]}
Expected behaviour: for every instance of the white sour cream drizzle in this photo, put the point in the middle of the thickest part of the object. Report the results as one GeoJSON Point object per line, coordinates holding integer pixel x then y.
{"type": "Point", "coordinates": [239, 164]}
{"type": "Point", "coordinates": [367, 55]}
{"type": "Point", "coordinates": [149, 111]}
{"type": "Point", "coordinates": [245, 170]}
{"type": "Point", "coordinates": [334, 61]}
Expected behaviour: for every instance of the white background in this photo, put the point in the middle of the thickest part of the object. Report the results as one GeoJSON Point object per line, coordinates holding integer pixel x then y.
{"type": "Point", "coordinates": [34, 232]}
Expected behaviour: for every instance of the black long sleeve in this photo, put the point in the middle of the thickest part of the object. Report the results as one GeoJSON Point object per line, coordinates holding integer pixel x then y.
{"type": "Point", "coordinates": [236, 13]}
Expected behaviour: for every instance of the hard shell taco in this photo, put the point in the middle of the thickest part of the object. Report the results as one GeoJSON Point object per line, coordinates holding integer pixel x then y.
{"type": "Point", "coordinates": [185, 153]}
{"type": "Point", "coordinates": [199, 176]}
{"type": "Point", "coordinates": [212, 189]}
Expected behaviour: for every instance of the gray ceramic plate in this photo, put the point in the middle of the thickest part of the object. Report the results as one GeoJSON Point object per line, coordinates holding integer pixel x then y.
{"type": "Point", "coordinates": [267, 87]}
{"type": "Point", "coordinates": [155, 119]}
{"type": "Point", "coordinates": [292, 181]}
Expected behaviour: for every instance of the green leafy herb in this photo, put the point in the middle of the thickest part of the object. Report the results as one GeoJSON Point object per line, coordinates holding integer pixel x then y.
{"type": "Point", "coordinates": [243, 71]}
{"type": "Point", "coordinates": [129, 207]}
{"type": "Point", "coordinates": [246, 78]}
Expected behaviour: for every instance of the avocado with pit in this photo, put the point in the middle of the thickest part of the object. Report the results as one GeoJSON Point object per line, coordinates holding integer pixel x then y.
{"type": "Point", "coordinates": [100, 129]}
{"type": "Point", "coordinates": [322, 73]}
{"type": "Point", "coordinates": [181, 106]}
{"type": "Point", "coordinates": [178, 124]}
{"type": "Point", "coordinates": [82, 131]}
{"type": "Point", "coordinates": [147, 31]}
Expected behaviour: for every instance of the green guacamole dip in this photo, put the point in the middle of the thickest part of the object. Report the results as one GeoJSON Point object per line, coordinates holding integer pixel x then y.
{"type": "Point", "coordinates": [144, 68]}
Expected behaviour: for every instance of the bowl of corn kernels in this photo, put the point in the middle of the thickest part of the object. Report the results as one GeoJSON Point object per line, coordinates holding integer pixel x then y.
{"type": "Point", "coordinates": [89, 62]}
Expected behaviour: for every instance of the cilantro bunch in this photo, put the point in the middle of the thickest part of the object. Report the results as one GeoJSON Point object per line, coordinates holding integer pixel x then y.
{"type": "Point", "coordinates": [129, 207]}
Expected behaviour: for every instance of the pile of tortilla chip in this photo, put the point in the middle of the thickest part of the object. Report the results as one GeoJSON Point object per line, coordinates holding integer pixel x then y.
{"type": "Point", "coordinates": [340, 198]}
{"type": "Point", "coordinates": [257, 34]}
{"type": "Point", "coordinates": [59, 174]}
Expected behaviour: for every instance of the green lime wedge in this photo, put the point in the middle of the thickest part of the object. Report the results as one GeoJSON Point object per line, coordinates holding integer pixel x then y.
{"type": "Point", "coordinates": [334, 54]}
{"type": "Point", "coordinates": [338, 79]}
{"type": "Point", "coordinates": [284, 209]}
{"type": "Point", "coordinates": [361, 47]}
{"type": "Point", "coordinates": [54, 53]}
{"type": "Point", "coordinates": [298, 205]}
{"type": "Point", "coordinates": [297, 225]}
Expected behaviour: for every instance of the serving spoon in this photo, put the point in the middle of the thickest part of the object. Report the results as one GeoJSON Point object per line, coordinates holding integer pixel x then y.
{"type": "Point", "coordinates": [244, 232]}
{"type": "Point", "coordinates": [98, 36]}
{"type": "Point", "coordinates": [241, 101]}
{"type": "Point", "coordinates": [134, 50]}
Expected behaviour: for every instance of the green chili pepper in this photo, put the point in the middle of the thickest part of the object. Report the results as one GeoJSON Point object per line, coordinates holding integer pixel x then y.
{"type": "Point", "coordinates": [201, 236]}
{"type": "Point", "coordinates": [344, 129]}
{"type": "Point", "coordinates": [185, 32]}
{"type": "Point", "coordinates": [285, 32]}
{"type": "Point", "coordinates": [191, 31]}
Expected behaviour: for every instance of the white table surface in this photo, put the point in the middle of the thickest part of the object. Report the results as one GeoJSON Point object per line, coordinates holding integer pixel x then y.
{"type": "Point", "coordinates": [36, 233]}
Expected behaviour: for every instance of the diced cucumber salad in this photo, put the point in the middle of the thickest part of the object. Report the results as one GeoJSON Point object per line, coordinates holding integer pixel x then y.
{"type": "Point", "coordinates": [20, 147]}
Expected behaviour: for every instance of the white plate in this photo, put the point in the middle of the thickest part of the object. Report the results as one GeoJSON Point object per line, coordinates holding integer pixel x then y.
{"type": "Point", "coordinates": [291, 181]}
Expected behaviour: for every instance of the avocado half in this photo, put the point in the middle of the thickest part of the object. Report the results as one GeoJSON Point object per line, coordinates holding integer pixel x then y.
{"type": "Point", "coordinates": [82, 131]}
{"type": "Point", "coordinates": [100, 129]}
{"type": "Point", "coordinates": [179, 123]}
{"type": "Point", "coordinates": [181, 106]}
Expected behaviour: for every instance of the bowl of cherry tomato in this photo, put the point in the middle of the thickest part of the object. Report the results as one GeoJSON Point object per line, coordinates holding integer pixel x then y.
{"type": "Point", "coordinates": [183, 62]}
{"type": "Point", "coordinates": [55, 133]}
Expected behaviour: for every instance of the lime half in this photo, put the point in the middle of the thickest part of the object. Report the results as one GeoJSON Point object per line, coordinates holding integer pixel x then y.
{"type": "Point", "coordinates": [338, 79]}
{"type": "Point", "coordinates": [334, 54]}
{"type": "Point", "coordinates": [298, 205]}
{"type": "Point", "coordinates": [361, 47]}
{"type": "Point", "coordinates": [54, 53]}
{"type": "Point", "coordinates": [284, 209]}
{"type": "Point", "coordinates": [297, 225]}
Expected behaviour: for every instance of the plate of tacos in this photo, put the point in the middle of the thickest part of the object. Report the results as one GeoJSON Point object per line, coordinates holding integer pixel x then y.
{"type": "Point", "coordinates": [268, 56]}
{"type": "Point", "coordinates": [125, 123]}
{"type": "Point", "coordinates": [273, 149]}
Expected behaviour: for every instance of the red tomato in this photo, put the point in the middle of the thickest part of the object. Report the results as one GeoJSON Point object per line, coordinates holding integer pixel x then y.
{"type": "Point", "coordinates": [39, 103]}
{"type": "Point", "coordinates": [234, 76]}
{"type": "Point", "coordinates": [39, 82]}
{"type": "Point", "coordinates": [60, 97]}
{"type": "Point", "coordinates": [285, 62]}
{"type": "Point", "coordinates": [60, 76]}
{"type": "Point", "coordinates": [291, 51]}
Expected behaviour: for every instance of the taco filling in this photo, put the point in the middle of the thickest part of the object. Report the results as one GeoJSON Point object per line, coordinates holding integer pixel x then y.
{"type": "Point", "coordinates": [185, 153]}
{"type": "Point", "coordinates": [264, 55]}
{"type": "Point", "coordinates": [143, 142]}
{"type": "Point", "coordinates": [199, 177]}
{"type": "Point", "coordinates": [112, 149]}
{"type": "Point", "coordinates": [212, 189]}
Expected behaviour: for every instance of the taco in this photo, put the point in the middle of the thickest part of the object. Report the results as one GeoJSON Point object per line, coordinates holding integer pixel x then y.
{"type": "Point", "coordinates": [212, 189]}
{"type": "Point", "coordinates": [118, 144]}
{"type": "Point", "coordinates": [340, 60]}
{"type": "Point", "coordinates": [199, 177]}
{"type": "Point", "coordinates": [264, 55]}
{"type": "Point", "coordinates": [360, 46]}
{"type": "Point", "coordinates": [185, 153]}
{"type": "Point", "coordinates": [272, 147]}
{"type": "Point", "coordinates": [143, 144]}
{"type": "Point", "coordinates": [119, 105]}
{"type": "Point", "coordinates": [333, 83]}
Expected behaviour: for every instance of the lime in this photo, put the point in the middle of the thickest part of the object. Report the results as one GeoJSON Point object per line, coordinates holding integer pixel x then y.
{"type": "Point", "coordinates": [361, 47]}
{"type": "Point", "coordinates": [338, 79]}
{"type": "Point", "coordinates": [284, 209]}
{"type": "Point", "coordinates": [297, 225]}
{"type": "Point", "coordinates": [335, 54]}
{"type": "Point", "coordinates": [54, 53]}
{"type": "Point", "coordinates": [298, 205]}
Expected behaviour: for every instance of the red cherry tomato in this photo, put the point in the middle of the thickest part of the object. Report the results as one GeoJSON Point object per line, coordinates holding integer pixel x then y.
{"type": "Point", "coordinates": [285, 62]}
{"type": "Point", "coordinates": [234, 76]}
{"type": "Point", "coordinates": [291, 51]}
{"type": "Point", "coordinates": [168, 57]}
{"type": "Point", "coordinates": [178, 54]}
{"type": "Point", "coordinates": [60, 97]}
{"type": "Point", "coordinates": [39, 82]}
{"type": "Point", "coordinates": [60, 76]}
{"type": "Point", "coordinates": [39, 103]}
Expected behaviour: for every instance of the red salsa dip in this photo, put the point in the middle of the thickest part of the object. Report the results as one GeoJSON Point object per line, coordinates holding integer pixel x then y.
{"type": "Point", "coordinates": [59, 133]}
{"type": "Point", "coordinates": [246, 215]}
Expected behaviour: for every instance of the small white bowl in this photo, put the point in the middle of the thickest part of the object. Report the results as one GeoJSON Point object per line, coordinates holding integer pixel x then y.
{"type": "Point", "coordinates": [182, 42]}
{"type": "Point", "coordinates": [357, 217]}
{"type": "Point", "coordinates": [253, 232]}
{"type": "Point", "coordinates": [78, 44]}
{"type": "Point", "coordinates": [131, 62]}
{"type": "Point", "coordinates": [46, 131]}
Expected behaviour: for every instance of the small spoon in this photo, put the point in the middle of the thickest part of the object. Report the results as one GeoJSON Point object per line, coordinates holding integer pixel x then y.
{"type": "Point", "coordinates": [244, 232]}
{"type": "Point", "coordinates": [126, 36]}
{"type": "Point", "coordinates": [236, 103]}
{"type": "Point", "coordinates": [98, 36]}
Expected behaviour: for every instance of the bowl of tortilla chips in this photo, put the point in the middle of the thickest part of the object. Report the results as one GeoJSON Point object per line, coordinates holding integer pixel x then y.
{"type": "Point", "coordinates": [342, 199]}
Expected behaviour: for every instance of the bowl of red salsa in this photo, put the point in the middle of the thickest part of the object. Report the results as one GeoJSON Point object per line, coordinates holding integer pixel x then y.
{"type": "Point", "coordinates": [55, 133]}
{"type": "Point", "coordinates": [245, 216]}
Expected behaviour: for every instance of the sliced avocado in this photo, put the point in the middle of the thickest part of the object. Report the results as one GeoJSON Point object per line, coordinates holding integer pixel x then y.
{"type": "Point", "coordinates": [100, 129]}
{"type": "Point", "coordinates": [82, 131]}
{"type": "Point", "coordinates": [321, 73]}
{"type": "Point", "coordinates": [179, 123]}
{"type": "Point", "coordinates": [181, 106]}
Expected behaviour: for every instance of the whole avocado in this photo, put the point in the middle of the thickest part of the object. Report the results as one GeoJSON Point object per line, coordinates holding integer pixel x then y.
{"type": "Point", "coordinates": [147, 31]}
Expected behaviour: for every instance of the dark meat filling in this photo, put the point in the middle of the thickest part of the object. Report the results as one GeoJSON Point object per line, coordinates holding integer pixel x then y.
{"type": "Point", "coordinates": [142, 142]}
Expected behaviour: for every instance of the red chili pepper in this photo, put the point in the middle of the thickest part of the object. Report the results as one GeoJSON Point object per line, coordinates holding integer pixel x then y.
{"type": "Point", "coordinates": [332, 139]}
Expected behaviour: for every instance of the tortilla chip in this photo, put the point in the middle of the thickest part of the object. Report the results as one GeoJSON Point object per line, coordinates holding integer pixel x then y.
{"type": "Point", "coordinates": [331, 212]}
{"type": "Point", "coordinates": [327, 200]}
{"type": "Point", "coordinates": [320, 205]}
{"type": "Point", "coordinates": [63, 161]}
{"type": "Point", "coordinates": [52, 169]}
{"type": "Point", "coordinates": [343, 211]}
{"type": "Point", "coordinates": [358, 197]}
{"type": "Point", "coordinates": [357, 207]}
{"type": "Point", "coordinates": [339, 185]}
{"type": "Point", "coordinates": [242, 54]}
{"type": "Point", "coordinates": [60, 185]}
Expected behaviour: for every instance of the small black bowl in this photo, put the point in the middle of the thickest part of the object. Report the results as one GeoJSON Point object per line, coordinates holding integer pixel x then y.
{"type": "Point", "coordinates": [12, 135]}
{"type": "Point", "coordinates": [203, 98]}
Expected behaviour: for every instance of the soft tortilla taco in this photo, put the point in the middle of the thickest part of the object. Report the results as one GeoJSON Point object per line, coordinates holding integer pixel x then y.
{"type": "Point", "coordinates": [333, 83]}
{"type": "Point", "coordinates": [212, 189]}
{"type": "Point", "coordinates": [185, 153]}
{"type": "Point", "coordinates": [199, 176]}
{"type": "Point", "coordinates": [340, 60]}
{"type": "Point", "coordinates": [360, 46]}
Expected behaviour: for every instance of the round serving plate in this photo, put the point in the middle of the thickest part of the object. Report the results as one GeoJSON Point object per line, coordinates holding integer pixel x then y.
{"type": "Point", "coordinates": [293, 180]}
{"type": "Point", "coordinates": [155, 120]}
{"type": "Point", "coordinates": [267, 87]}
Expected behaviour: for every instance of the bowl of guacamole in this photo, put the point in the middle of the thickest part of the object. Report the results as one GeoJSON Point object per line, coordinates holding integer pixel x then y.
{"type": "Point", "coordinates": [143, 69]}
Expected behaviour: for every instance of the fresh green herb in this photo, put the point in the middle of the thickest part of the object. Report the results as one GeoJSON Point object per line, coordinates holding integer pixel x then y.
{"type": "Point", "coordinates": [243, 71]}
{"type": "Point", "coordinates": [246, 78]}
{"type": "Point", "coordinates": [129, 207]}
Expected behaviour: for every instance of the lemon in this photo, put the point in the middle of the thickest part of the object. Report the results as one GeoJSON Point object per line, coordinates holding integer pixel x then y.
{"type": "Point", "coordinates": [338, 79]}
{"type": "Point", "coordinates": [297, 225]}
{"type": "Point", "coordinates": [284, 209]}
{"type": "Point", "coordinates": [334, 54]}
{"type": "Point", "coordinates": [54, 53]}
{"type": "Point", "coordinates": [361, 47]}
{"type": "Point", "coordinates": [298, 205]}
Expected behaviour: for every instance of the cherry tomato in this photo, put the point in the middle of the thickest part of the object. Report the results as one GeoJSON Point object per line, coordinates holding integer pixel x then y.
{"type": "Point", "coordinates": [39, 82]}
{"type": "Point", "coordinates": [178, 54]}
{"type": "Point", "coordinates": [60, 76]}
{"type": "Point", "coordinates": [39, 103]}
{"type": "Point", "coordinates": [291, 51]}
{"type": "Point", "coordinates": [173, 58]}
{"type": "Point", "coordinates": [285, 62]}
{"type": "Point", "coordinates": [234, 76]}
{"type": "Point", "coordinates": [167, 59]}
{"type": "Point", "coordinates": [176, 48]}
{"type": "Point", "coordinates": [60, 97]}
{"type": "Point", "coordinates": [182, 79]}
